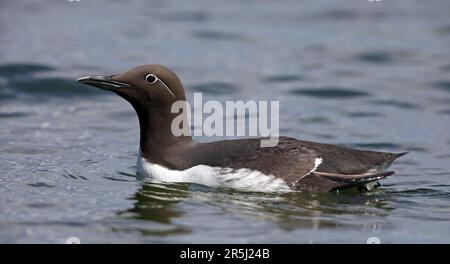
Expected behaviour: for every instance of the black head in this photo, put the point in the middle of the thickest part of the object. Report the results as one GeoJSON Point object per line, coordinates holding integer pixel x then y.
{"type": "Point", "coordinates": [151, 90]}
{"type": "Point", "coordinates": [146, 86]}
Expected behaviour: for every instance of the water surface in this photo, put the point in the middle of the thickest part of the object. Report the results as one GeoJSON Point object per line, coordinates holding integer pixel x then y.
{"type": "Point", "coordinates": [372, 75]}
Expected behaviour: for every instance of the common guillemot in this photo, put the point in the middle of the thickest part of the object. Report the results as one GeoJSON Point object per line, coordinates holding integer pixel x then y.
{"type": "Point", "coordinates": [240, 163]}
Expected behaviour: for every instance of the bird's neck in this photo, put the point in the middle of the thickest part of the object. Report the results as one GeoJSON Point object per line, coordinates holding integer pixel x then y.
{"type": "Point", "coordinates": [156, 135]}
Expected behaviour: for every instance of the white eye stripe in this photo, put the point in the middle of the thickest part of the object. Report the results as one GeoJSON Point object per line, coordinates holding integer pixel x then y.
{"type": "Point", "coordinates": [168, 89]}
{"type": "Point", "coordinates": [152, 79]}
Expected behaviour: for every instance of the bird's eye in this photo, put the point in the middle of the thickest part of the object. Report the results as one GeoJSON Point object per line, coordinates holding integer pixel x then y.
{"type": "Point", "coordinates": [151, 78]}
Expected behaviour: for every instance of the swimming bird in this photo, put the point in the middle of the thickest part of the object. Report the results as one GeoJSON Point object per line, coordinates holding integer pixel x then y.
{"type": "Point", "coordinates": [240, 163]}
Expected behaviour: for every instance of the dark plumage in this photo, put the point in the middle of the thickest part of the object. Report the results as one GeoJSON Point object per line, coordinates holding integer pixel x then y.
{"type": "Point", "coordinates": [292, 160]}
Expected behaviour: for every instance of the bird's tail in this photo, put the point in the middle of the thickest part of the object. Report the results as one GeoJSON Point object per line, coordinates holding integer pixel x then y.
{"type": "Point", "coordinates": [326, 181]}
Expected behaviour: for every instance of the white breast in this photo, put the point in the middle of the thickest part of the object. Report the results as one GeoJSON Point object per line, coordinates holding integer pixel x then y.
{"type": "Point", "coordinates": [245, 179]}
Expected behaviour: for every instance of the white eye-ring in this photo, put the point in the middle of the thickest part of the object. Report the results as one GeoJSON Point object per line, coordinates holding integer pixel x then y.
{"type": "Point", "coordinates": [151, 78]}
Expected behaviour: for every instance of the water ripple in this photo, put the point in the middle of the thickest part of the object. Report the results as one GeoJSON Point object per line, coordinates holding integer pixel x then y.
{"type": "Point", "coordinates": [330, 92]}
{"type": "Point", "coordinates": [214, 88]}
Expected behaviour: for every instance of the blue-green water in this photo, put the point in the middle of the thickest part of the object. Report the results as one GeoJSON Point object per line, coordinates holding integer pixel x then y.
{"type": "Point", "coordinates": [373, 75]}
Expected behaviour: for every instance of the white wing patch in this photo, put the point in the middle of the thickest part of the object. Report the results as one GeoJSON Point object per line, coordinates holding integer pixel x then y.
{"type": "Point", "coordinates": [317, 163]}
{"type": "Point", "coordinates": [245, 179]}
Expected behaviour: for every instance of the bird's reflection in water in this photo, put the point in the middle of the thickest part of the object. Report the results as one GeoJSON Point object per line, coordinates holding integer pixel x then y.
{"type": "Point", "coordinates": [346, 210]}
{"type": "Point", "coordinates": [295, 210]}
{"type": "Point", "coordinates": [164, 203]}
{"type": "Point", "coordinates": [155, 203]}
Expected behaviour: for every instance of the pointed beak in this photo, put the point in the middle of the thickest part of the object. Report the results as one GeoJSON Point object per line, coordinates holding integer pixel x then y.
{"type": "Point", "coordinates": [103, 82]}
